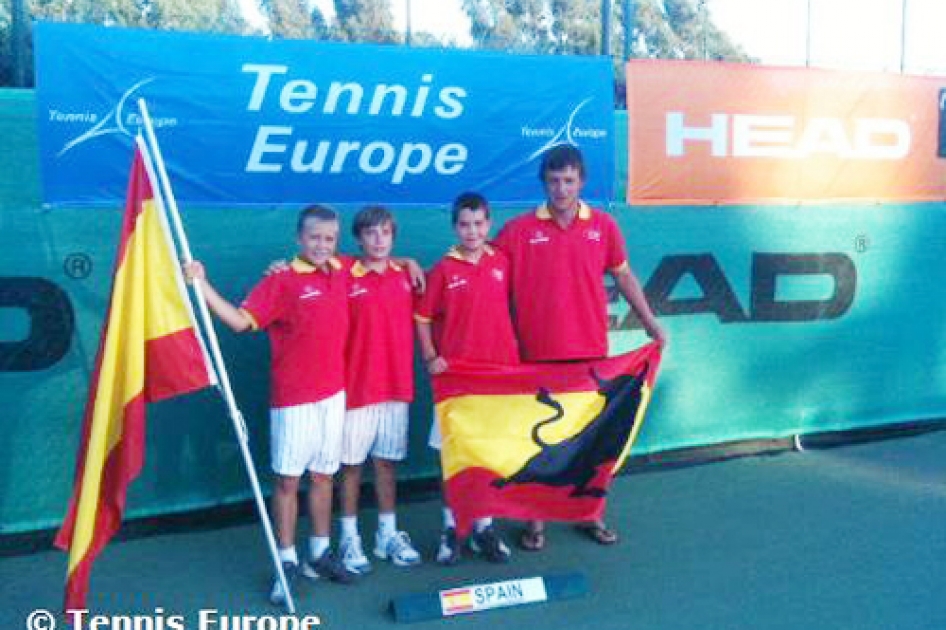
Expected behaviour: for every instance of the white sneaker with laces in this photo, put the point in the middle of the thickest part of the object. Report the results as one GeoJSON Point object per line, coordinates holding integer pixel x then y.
{"type": "Point", "coordinates": [397, 548]}
{"type": "Point", "coordinates": [353, 555]}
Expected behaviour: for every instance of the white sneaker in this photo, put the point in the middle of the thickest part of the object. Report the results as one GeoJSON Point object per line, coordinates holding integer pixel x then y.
{"type": "Point", "coordinates": [353, 556]}
{"type": "Point", "coordinates": [397, 548]}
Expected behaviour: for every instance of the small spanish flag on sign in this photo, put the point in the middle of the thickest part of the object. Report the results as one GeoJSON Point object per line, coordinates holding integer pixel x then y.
{"type": "Point", "coordinates": [539, 441]}
{"type": "Point", "coordinates": [148, 351]}
{"type": "Point", "coordinates": [455, 601]}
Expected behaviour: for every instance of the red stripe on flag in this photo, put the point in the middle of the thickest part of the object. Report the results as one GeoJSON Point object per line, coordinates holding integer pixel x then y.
{"type": "Point", "coordinates": [175, 365]}
{"type": "Point", "coordinates": [471, 495]}
{"type": "Point", "coordinates": [472, 379]}
{"type": "Point", "coordinates": [123, 464]}
{"type": "Point", "coordinates": [63, 538]}
{"type": "Point", "coordinates": [139, 191]}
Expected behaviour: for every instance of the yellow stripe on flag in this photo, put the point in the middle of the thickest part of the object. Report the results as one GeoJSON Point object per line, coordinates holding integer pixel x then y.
{"type": "Point", "coordinates": [473, 426]}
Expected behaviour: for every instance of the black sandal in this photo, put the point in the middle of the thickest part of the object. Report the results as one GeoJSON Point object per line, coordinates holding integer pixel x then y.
{"type": "Point", "coordinates": [599, 532]}
{"type": "Point", "coordinates": [532, 539]}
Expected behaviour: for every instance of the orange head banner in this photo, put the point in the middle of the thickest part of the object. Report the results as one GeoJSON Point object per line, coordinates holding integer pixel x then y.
{"type": "Point", "coordinates": [707, 133]}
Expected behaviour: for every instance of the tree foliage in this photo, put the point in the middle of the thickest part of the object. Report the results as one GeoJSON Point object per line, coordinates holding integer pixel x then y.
{"type": "Point", "coordinates": [6, 43]}
{"type": "Point", "coordinates": [365, 21]}
{"type": "Point", "coordinates": [290, 19]}
{"type": "Point", "coordinates": [671, 29]}
{"type": "Point", "coordinates": [203, 15]}
{"type": "Point", "coordinates": [681, 29]}
{"type": "Point", "coordinates": [516, 25]}
{"type": "Point", "coordinates": [221, 16]}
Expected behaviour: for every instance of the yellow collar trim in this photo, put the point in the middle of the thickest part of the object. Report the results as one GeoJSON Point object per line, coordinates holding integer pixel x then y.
{"type": "Point", "coordinates": [301, 265]}
{"type": "Point", "coordinates": [543, 212]}
{"type": "Point", "coordinates": [359, 270]}
{"type": "Point", "coordinates": [455, 253]}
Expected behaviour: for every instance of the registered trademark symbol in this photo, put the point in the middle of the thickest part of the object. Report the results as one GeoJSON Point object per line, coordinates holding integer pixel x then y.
{"type": "Point", "coordinates": [861, 243]}
{"type": "Point", "coordinates": [77, 266]}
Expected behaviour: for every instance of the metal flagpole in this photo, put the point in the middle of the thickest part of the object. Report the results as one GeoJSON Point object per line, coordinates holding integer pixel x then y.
{"type": "Point", "coordinates": [606, 28]}
{"type": "Point", "coordinates": [808, 36]}
{"type": "Point", "coordinates": [224, 385]}
{"type": "Point", "coordinates": [629, 10]}
{"type": "Point", "coordinates": [903, 35]}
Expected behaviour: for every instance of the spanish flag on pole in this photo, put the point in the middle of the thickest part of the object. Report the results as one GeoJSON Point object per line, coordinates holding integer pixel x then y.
{"type": "Point", "coordinates": [148, 351]}
{"type": "Point", "coordinates": [539, 441]}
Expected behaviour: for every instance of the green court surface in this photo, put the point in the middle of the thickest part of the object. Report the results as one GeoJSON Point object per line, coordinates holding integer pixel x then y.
{"type": "Point", "coordinates": [842, 538]}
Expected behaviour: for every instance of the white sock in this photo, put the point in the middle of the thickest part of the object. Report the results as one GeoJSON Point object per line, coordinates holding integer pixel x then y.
{"type": "Point", "coordinates": [482, 523]}
{"type": "Point", "coordinates": [288, 554]}
{"type": "Point", "coordinates": [448, 520]}
{"type": "Point", "coordinates": [318, 545]}
{"type": "Point", "coordinates": [349, 526]}
{"type": "Point", "coordinates": [387, 524]}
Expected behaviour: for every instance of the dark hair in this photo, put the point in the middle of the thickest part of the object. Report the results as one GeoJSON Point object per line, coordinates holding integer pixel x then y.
{"type": "Point", "coordinates": [560, 157]}
{"type": "Point", "coordinates": [369, 217]}
{"type": "Point", "coordinates": [321, 213]}
{"type": "Point", "coordinates": [469, 201]}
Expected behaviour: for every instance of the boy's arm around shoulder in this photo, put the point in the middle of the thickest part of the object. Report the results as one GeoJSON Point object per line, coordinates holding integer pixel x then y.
{"type": "Point", "coordinates": [415, 272]}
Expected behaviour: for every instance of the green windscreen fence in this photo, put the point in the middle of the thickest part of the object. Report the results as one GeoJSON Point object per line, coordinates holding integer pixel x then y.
{"type": "Point", "coordinates": [783, 320]}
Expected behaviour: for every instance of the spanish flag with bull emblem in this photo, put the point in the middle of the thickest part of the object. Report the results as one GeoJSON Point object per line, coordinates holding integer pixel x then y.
{"type": "Point", "coordinates": [149, 351]}
{"type": "Point", "coordinates": [539, 441]}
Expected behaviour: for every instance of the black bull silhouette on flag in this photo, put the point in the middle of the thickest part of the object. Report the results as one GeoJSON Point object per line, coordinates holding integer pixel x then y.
{"type": "Point", "coordinates": [575, 460]}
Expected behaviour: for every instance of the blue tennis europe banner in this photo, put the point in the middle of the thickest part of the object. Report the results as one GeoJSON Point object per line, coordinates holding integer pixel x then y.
{"type": "Point", "coordinates": [252, 121]}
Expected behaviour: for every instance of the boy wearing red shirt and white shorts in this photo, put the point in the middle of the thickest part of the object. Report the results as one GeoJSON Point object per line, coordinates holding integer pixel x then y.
{"type": "Point", "coordinates": [379, 385]}
{"type": "Point", "coordinates": [305, 313]}
{"type": "Point", "coordinates": [464, 314]}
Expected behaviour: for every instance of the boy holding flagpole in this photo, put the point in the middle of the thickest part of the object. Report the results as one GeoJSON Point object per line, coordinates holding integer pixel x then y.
{"type": "Point", "coordinates": [305, 313]}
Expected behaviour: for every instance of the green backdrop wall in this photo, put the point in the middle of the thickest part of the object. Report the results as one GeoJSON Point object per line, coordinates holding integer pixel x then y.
{"type": "Point", "coordinates": [783, 320]}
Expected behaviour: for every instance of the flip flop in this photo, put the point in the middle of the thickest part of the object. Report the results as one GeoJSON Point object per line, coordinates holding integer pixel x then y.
{"type": "Point", "coordinates": [532, 540]}
{"type": "Point", "coordinates": [599, 532]}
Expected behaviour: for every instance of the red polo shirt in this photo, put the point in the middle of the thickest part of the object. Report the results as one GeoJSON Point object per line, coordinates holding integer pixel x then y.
{"type": "Point", "coordinates": [305, 313]}
{"type": "Point", "coordinates": [558, 293]}
{"type": "Point", "coordinates": [380, 352]}
{"type": "Point", "coordinates": [468, 305]}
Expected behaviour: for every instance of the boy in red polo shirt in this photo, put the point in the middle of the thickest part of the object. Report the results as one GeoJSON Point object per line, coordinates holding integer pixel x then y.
{"type": "Point", "coordinates": [380, 386]}
{"type": "Point", "coordinates": [559, 255]}
{"type": "Point", "coordinates": [464, 314]}
{"type": "Point", "coordinates": [305, 313]}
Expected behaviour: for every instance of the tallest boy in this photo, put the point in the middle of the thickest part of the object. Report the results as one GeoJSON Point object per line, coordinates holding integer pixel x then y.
{"type": "Point", "coordinates": [559, 255]}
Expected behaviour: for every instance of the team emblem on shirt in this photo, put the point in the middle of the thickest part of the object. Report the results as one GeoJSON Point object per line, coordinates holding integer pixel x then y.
{"type": "Point", "coordinates": [498, 275]}
{"type": "Point", "coordinates": [309, 292]}
{"type": "Point", "coordinates": [456, 282]}
{"type": "Point", "coordinates": [539, 237]}
{"type": "Point", "coordinates": [356, 290]}
{"type": "Point", "coordinates": [593, 235]}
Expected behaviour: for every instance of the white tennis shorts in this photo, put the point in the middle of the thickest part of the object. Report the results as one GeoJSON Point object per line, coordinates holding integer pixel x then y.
{"type": "Point", "coordinates": [379, 429]}
{"type": "Point", "coordinates": [307, 437]}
